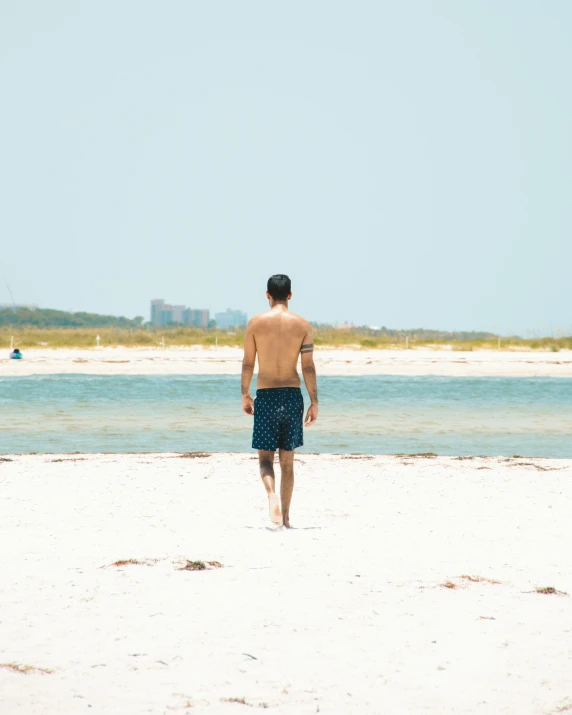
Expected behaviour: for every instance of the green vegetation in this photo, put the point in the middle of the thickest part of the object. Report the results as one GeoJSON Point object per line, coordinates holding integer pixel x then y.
{"type": "Point", "coordinates": [144, 336]}
{"type": "Point", "coordinates": [54, 329]}
{"type": "Point", "coordinates": [31, 337]}
{"type": "Point", "coordinates": [385, 337]}
{"type": "Point", "coordinates": [46, 318]}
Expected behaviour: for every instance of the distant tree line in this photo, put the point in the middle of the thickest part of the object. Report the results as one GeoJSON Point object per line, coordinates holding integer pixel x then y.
{"type": "Point", "coordinates": [46, 318]}
{"type": "Point", "coordinates": [418, 333]}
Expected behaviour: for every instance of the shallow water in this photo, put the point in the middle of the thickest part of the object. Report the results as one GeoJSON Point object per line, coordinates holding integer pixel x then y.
{"type": "Point", "coordinates": [373, 414]}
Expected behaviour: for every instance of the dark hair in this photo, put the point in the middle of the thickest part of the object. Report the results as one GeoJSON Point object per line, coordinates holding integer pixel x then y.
{"type": "Point", "coordinates": [279, 286]}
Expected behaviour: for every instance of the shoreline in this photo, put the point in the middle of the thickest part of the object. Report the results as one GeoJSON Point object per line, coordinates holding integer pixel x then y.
{"type": "Point", "coordinates": [372, 603]}
{"type": "Point", "coordinates": [421, 458]}
{"type": "Point", "coordinates": [329, 362]}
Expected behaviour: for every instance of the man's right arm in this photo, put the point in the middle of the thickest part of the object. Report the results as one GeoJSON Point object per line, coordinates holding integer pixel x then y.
{"type": "Point", "coordinates": [309, 373]}
{"type": "Point", "coordinates": [248, 369]}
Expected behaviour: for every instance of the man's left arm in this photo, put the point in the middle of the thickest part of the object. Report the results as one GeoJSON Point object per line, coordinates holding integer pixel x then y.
{"type": "Point", "coordinates": [248, 363]}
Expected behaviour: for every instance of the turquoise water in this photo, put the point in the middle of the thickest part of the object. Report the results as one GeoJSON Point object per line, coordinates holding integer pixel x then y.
{"type": "Point", "coordinates": [379, 414]}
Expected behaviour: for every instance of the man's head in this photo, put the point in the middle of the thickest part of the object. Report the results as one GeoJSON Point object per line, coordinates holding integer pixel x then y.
{"type": "Point", "coordinates": [278, 289]}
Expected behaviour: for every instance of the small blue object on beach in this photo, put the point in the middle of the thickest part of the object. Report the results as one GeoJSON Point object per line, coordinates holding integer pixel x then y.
{"type": "Point", "coordinates": [16, 354]}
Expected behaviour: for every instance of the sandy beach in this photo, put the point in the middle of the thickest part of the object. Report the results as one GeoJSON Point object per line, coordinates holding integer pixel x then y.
{"type": "Point", "coordinates": [364, 607]}
{"type": "Point", "coordinates": [227, 361]}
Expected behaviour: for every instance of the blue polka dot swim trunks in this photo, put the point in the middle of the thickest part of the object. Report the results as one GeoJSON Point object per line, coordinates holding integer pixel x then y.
{"type": "Point", "coordinates": [278, 419]}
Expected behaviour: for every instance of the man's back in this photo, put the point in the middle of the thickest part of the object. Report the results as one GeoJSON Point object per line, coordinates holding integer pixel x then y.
{"type": "Point", "coordinates": [278, 336]}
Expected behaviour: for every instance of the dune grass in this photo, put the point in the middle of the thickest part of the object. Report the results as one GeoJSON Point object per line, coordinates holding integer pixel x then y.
{"type": "Point", "coordinates": [324, 336]}
{"type": "Point", "coordinates": [30, 337]}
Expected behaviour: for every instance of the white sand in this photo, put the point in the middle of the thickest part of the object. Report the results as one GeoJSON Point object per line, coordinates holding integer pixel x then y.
{"type": "Point", "coordinates": [227, 361]}
{"type": "Point", "coordinates": [344, 614]}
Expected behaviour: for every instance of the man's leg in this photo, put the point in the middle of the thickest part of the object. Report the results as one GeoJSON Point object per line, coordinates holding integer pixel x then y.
{"type": "Point", "coordinates": [286, 483]}
{"type": "Point", "coordinates": [266, 461]}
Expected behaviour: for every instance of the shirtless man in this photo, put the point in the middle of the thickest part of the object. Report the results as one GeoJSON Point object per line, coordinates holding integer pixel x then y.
{"type": "Point", "coordinates": [278, 337]}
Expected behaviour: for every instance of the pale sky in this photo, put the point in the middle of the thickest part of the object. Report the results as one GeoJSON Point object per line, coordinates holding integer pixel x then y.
{"type": "Point", "coordinates": [407, 163]}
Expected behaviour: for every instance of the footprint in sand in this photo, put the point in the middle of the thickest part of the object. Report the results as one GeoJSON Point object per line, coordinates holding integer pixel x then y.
{"type": "Point", "coordinates": [274, 508]}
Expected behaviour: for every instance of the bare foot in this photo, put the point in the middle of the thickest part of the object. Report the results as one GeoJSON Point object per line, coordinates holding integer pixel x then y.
{"type": "Point", "coordinates": [274, 507]}
{"type": "Point", "coordinates": [286, 521]}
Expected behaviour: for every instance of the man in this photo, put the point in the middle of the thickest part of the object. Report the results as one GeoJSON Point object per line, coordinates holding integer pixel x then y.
{"type": "Point", "coordinates": [278, 337]}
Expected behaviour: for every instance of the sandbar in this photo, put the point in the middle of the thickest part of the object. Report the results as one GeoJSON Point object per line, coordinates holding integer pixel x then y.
{"type": "Point", "coordinates": [334, 362]}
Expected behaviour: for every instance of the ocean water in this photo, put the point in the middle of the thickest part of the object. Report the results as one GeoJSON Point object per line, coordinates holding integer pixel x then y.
{"type": "Point", "coordinates": [373, 414]}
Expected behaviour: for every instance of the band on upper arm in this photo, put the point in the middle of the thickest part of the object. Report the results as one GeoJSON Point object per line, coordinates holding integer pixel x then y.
{"type": "Point", "coordinates": [307, 348]}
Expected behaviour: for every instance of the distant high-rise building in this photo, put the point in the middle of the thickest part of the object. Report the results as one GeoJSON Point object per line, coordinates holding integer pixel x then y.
{"type": "Point", "coordinates": [156, 308]}
{"type": "Point", "coordinates": [197, 318]}
{"type": "Point", "coordinates": [231, 318]}
{"type": "Point", "coordinates": [164, 314]}
{"type": "Point", "coordinates": [177, 313]}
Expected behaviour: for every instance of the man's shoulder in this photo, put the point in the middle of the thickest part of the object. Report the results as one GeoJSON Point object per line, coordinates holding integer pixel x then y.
{"type": "Point", "coordinates": [269, 316]}
{"type": "Point", "coordinates": [257, 319]}
{"type": "Point", "coordinates": [302, 321]}
{"type": "Point", "coordinates": [305, 326]}
{"type": "Point", "coordinates": [259, 322]}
